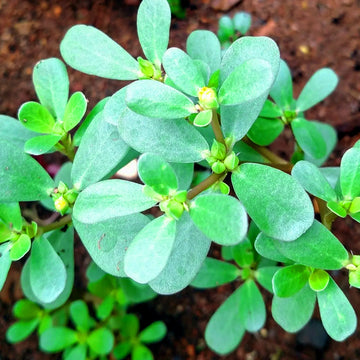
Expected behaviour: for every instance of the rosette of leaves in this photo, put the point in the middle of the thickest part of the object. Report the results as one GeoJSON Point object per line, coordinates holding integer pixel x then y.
{"type": "Point", "coordinates": [314, 141]}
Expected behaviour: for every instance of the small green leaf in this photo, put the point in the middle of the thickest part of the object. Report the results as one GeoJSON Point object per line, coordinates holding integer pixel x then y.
{"type": "Point", "coordinates": [282, 90]}
{"type": "Point", "coordinates": [110, 199]}
{"type": "Point", "coordinates": [336, 208]}
{"type": "Point", "coordinates": [122, 350]}
{"type": "Point", "coordinates": [249, 81]}
{"type": "Point", "coordinates": [271, 110]}
{"type": "Point", "coordinates": [36, 117]}
{"type": "Point", "coordinates": [252, 307]}
{"type": "Point", "coordinates": [242, 22]}
{"type": "Point", "coordinates": [51, 84]}
{"type": "Point", "coordinates": [293, 313]}
{"type": "Point", "coordinates": [317, 248]}
{"type": "Point", "coordinates": [226, 28]}
{"type": "Point", "coordinates": [321, 84]}
{"type": "Point", "coordinates": [20, 247]}
{"type": "Point", "coordinates": [220, 217]}
{"type": "Point", "coordinates": [313, 181]}
{"type": "Point", "coordinates": [274, 200]}
{"type": "Point", "coordinates": [56, 339]}
{"type": "Point", "coordinates": [5, 263]}
{"type": "Point", "coordinates": [204, 45]}
{"type": "Point", "coordinates": [25, 309]}
{"type": "Point", "coordinates": [225, 329]}
{"type": "Point", "coordinates": [89, 50]}
{"type": "Point", "coordinates": [182, 71]}
{"type": "Point", "coordinates": [290, 279]}
{"type": "Point", "coordinates": [214, 273]}
{"type": "Point", "coordinates": [74, 111]}
{"type": "Point", "coordinates": [149, 252]}
{"type": "Point", "coordinates": [243, 253]}
{"type": "Point", "coordinates": [20, 330]}
{"type": "Point", "coordinates": [47, 271]}
{"type": "Point", "coordinates": [264, 131]}
{"type": "Point", "coordinates": [350, 173]}
{"type": "Point", "coordinates": [264, 275]}
{"type": "Point", "coordinates": [154, 99]}
{"type": "Point", "coordinates": [41, 144]}
{"type": "Point", "coordinates": [354, 278]}
{"type": "Point", "coordinates": [153, 25]}
{"type": "Point", "coordinates": [319, 280]}
{"type": "Point", "coordinates": [309, 138]}
{"type": "Point", "coordinates": [79, 313]}
{"type": "Point", "coordinates": [10, 213]}
{"type": "Point", "coordinates": [155, 332]}
{"type": "Point", "coordinates": [101, 341]}
{"type": "Point", "coordinates": [157, 173]}
{"type": "Point", "coordinates": [203, 118]}
{"type": "Point", "coordinates": [141, 352]}
{"type": "Point", "coordinates": [337, 314]}
{"type": "Point", "coordinates": [130, 326]}
{"type": "Point", "coordinates": [76, 353]}
{"type": "Point", "coordinates": [21, 177]}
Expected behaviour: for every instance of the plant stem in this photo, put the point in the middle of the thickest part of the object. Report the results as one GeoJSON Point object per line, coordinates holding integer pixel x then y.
{"type": "Point", "coordinates": [327, 216]}
{"type": "Point", "coordinates": [216, 127]}
{"type": "Point", "coordinates": [205, 184]}
{"type": "Point", "coordinates": [55, 225]}
{"type": "Point", "coordinates": [268, 154]}
{"type": "Point", "coordinates": [66, 147]}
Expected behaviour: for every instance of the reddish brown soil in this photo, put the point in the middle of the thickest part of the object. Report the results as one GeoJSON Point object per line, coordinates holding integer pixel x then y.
{"type": "Point", "coordinates": [311, 34]}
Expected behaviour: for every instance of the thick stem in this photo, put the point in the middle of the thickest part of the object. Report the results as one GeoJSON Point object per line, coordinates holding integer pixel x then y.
{"type": "Point", "coordinates": [66, 220]}
{"type": "Point", "coordinates": [216, 127]}
{"type": "Point", "coordinates": [205, 184]}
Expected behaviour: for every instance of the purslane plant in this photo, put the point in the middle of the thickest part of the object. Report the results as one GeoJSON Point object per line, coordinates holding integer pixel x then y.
{"type": "Point", "coordinates": [198, 123]}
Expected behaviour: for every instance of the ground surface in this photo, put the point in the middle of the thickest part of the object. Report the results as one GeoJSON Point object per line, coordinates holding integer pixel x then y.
{"type": "Point", "coordinates": [311, 34]}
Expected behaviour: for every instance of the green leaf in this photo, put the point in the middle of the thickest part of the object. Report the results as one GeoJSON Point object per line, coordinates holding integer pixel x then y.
{"type": "Point", "coordinates": [110, 199]}
{"type": "Point", "coordinates": [321, 84]}
{"type": "Point", "coordinates": [155, 332]}
{"type": "Point", "coordinates": [264, 131]}
{"type": "Point", "coordinates": [90, 116]}
{"type": "Point", "coordinates": [153, 25]}
{"type": "Point", "coordinates": [25, 309]}
{"type": "Point", "coordinates": [76, 353]}
{"type": "Point", "coordinates": [175, 140]}
{"type": "Point", "coordinates": [204, 45]}
{"type": "Point", "coordinates": [274, 200]}
{"type": "Point", "coordinates": [319, 280]}
{"type": "Point", "coordinates": [107, 240]}
{"type": "Point", "coordinates": [203, 118]}
{"type": "Point", "coordinates": [290, 279]}
{"type": "Point", "coordinates": [157, 173]}
{"type": "Point", "coordinates": [252, 307]}
{"type": "Point", "coordinates": [354, 278]}
{"type": "Point", "coordinates": [336, 208]}
{"type": "Point", "coordinates": [182, 71]}
{"type": "Point", "coordinates": [79, 313]}
{"type": "Point", "coordinates": [13, 131]}
{"type": "Point", "coordinates": [21, 177]}
{"type": "Point", "coordinates": [141, 352]}
{"type": "Point", "coordinates": [214, 273]}
{"type": "Point", "coordinates": [309, 138]}
{"type": "Point", "coordinates": [10, 213]}
{"type": "Point", "coordinates": [242, 22]}
{"type": "Point", "coordinates": [47, 271]}
{"type": "Point", "coordinates": [185, 259]}
{"type": "Point", "coordinates": [74, 111]}
{"type": "Point", "coordinates": [243, 253]}
{"type": "Point", "coordinates": [313, 181]}
{"type": "Point", "coordinates": [20, 247]}
{"type": "Point", "coordinates": [130, 326]}
{"type": "Point", "coordinates": [264, 275]}
{"type": "Point", "coordinates": [350, 173]}
{"type": "Point", "coordinates": [271, 110]}
{"type": "Point", "coordinates": [36, 117]}
{"type": "Point", "coordinates": [101, 341]}
{"type": "Point", "coordinates": [282, 90]}
{"type": "Point", "coordinates": [56, 339]}
{"type": "Point", "coordinates": [155, 99]}
{"type": "Point", "coordinates": [122, 350]}
{"type": "Point", "coordinates": [250, 47]}
{"type": "Point", "coordinates": [101, 149]}
{"type": "Point", "coordinates": [225, 329]}
{"type": "Point", "coordinates": [293, 313]}
{"type": "Point", "coordinates": [89, 50]}
{"type": "Point", "coordinates": [51, 84]}
{"type": "Point", "coordinates": [150, 250]}
{"type": "Point", "coordinates": [250, 80]}
{"type": "Point", "coordinates": [184, 173]}
{"type": "Point", "coordinates": [226, 28]}
{"type": "Point", "coordinates": [20, 330]}
{"type": "Point", "coordinates": [41, 144]}
{"type": "Point", "coordinates": [5, 263]}
{"type": "Point", "coordinates": [265, 246]}
{"type": "Point", "coordinates": [135, 292]}
{"type": "Point", "coordinates": [220, 217]}
{"type": "Point", "coordinates": [317, 248]}
{"type": "Point", "coordinates": [337, 314]}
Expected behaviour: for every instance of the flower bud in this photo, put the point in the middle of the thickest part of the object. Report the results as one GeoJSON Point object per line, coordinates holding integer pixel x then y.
{"type": "Point", "coordinates": [62, 188]}
{"type": "Point", "coordinates": [61, 205]}
{"type": "Point", "coordinates": [218, 167]}
{"type": "Point", "coordinates": [207, 98]}
{"type": "Point", "coordinates": [70, 196]}
{"type": "Point", "coordinates": [146, 67]}
{"type": "Point", "coordinates": [218, 150]}
{"type": "Point", "coordinates": [174, 209]}
{"type": "Point", "coordinates": [224, 188]}
{"type": "Point", "coordinates": [231, 162]}
{"type": "Point", "coordinates": [180, 196]}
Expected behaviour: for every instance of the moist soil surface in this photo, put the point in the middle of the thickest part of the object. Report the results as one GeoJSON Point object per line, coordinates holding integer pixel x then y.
{"type": "Point", "coordinates": [311, 34]}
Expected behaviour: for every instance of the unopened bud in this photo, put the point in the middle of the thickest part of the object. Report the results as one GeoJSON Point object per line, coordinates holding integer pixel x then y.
{"type": "Point", "coordinates": [218, 167]}
{"type": "Point", "coordinates": [218, 150]}
{"type": "Point", "coordinates": [61, 205]}
{"type": "Point", "coordinates": [231, 162]}
{"type": "Point", "coordinates": [207, 98]}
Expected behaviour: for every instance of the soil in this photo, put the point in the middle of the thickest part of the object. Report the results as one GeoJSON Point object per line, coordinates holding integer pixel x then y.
{"type": "Point", "coordinates": [310, 33]}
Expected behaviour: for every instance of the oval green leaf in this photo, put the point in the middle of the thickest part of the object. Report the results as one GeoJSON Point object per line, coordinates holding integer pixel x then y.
{"type": "Point", "coordinates": [74, 111]}
{"type": "Point", "coordinates": [350, 173]}
{"type": "Point", "coordinates": [319, 280]}
{"type": "Point", "coordinates": [56, 339]}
